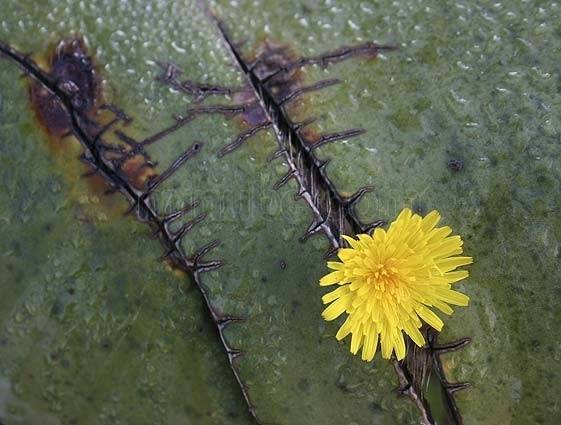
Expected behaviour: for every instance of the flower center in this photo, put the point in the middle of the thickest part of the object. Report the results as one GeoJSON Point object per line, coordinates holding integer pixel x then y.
{"type": "Point", "coordinates": [385, 274]}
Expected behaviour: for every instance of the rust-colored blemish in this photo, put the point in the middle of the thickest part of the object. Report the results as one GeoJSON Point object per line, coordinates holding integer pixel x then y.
{"type": "Point", "coordinates": [73, 70]}
{"type": "Point", "coordinates": [269, 57]}
{"type": "Point", "coordinates": [174, 268]}
{"type": "Point", "coordinates": [138, 171]}
{"type": "Point", "coordinates": [310, 134]}
{"type": "Point", "coordinates": [75, 74]}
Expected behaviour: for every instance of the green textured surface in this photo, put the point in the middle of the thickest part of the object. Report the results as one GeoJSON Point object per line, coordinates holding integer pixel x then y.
{"type": "Point", "coordinates": [282, 307]}
{"type": "Point", "coordinates": [94, 329]}
{"type": "Point", "coordinates": [476, 82]}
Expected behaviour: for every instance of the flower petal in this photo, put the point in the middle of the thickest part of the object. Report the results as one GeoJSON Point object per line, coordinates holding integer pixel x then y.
{"type": "Point", "coordinates": [337, 293]}
{"type": "Point", "coordinates": [399, 345]}
{"type": "Point", "coordinates": [386, 343]}
{"type": "Point", "coordinates": [345, 329]}
{"type": "Point", "coordinates": [336, 308]}
{"type": "Point", "coordinates": [456, 275]}
{"type": "Point", "coordinates": [430, 220]}
{"type": "Point", "coordinates": [370, 344]}
{"type": "Point", "coordinates": [335, 265]}
{"type": "Point", "coordinates": [352, 242]}
{"type": "Point", "coordinates": [356, 340]}
{"type": "Point", "coordinates": [331, 278]}
{"type": "Point", "coordinates": [414, 333]}
{"type": "Point", "coordinates": [430, 317]}
{"type": "Point", "coordinates": [453, 297]}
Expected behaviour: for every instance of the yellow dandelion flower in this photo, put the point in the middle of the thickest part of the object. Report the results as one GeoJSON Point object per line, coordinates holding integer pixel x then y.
{"type": "Point", "coordinates": [388, 282]}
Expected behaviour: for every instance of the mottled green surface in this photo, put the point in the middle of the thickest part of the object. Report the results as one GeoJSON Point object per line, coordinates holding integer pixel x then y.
{"type": "Point", "coordinates": [476, 81]}
{"type": "Point", "coordinates": [295, 372]}
{"type": "Point", "coordinates": [95, 329]}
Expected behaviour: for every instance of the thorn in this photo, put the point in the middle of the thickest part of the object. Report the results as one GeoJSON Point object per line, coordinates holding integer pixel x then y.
{"type": "Point", "coordinates": [330, 252]}
{"type": "Point", "coordinates": [188, 154]}
{"type": "Point", "coordinates": [207, 266]}
{"type": "Point", "coordinates": [313, 228]}
{"type": "Point", "coordinates": [335, 137]}
{"type": "Point", "coordinates": [119, 113]}
{"type": "Point", "coordinates": [171, 252]}
{"type": "Point", "coordinates": [322, 165]}
{"type": "Point", "coordinates": [285, 179]}
{"type": "Point", "coordinates": [170, 218]}
{"type": "Point", "coordinates": [368, 228]}
{"type": "Point", "coordinates": [234, 353]}
{"type": "Point", "coordinates": [357, 196]}
{"type": "Point", "coordinates": [403, 391]}
{"type": "Point", "coordinates": [452, 388]}
{"type": "Point", "coordinates": [169, 71]}
{"type": "Point", "coordinates": [204, 250]}
{"type": "Point", "coordinates": [300, 194]}
{"type": "Point", "coordinates": [299, 126]}
{"type": "Point", "coordinates": [452, 346]}
{"type": "Point", "coordinates": [276, 154]}
{"type": "Point", "coordinates": [242, 138]}
{"type": "Point", "coordinates": [307, 89]}
{"type": "Point", "coordinates": [188, 226]}
{"type": "Point", "coordinates": [126, 138]}
{"type": "Point", "coordinates": [134, 206]}
{"type": "Point", "coordinates": [228, 320]}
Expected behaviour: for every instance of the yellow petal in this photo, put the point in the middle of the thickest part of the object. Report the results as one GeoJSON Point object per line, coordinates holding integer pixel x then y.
{"type": "Point", "coordinates": [352, 242]}
{"type": "Point", "coordinates": [336, 308]}
{"type": "Point", "coordinates": [439, 233]}
{"type": "Point", "coordinates": [449, 247]}
{"type": "Point", "coordinates": [443, 307]}
{"type": "Point", "coordinates": [331, 278]}
{"type": "Point", "coordinates": [356, 340]}
{"type": "Point", "coordinates": [344, 330]}
{"type": "Point", "coordinates": [430, 317]}
{"type": "Point", "coordinates": [337, 293]}
{"type": "Point", "coordinates": [448, 264]}
{"type": "Point", "coordinates": [456, 275]}
{"type": "Point", "coordinates": [399, 345]}
{"type": "Point", "coordinates": [453, 297]}
{"type": "Point", "coordinates": [430, 220]}
{"type": "Point", "coordinates": [405, 214]}
{"type": "Point", "coordinates": [379, 235]}
{"type": "Point", "coordinates": [335, 265]}
{"type": "Point", "coordinates": [414, 333]}
{"type": "Point", "coordinates": [346, 254]}
{"type": "Point", "coordinates": [370, 344]}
